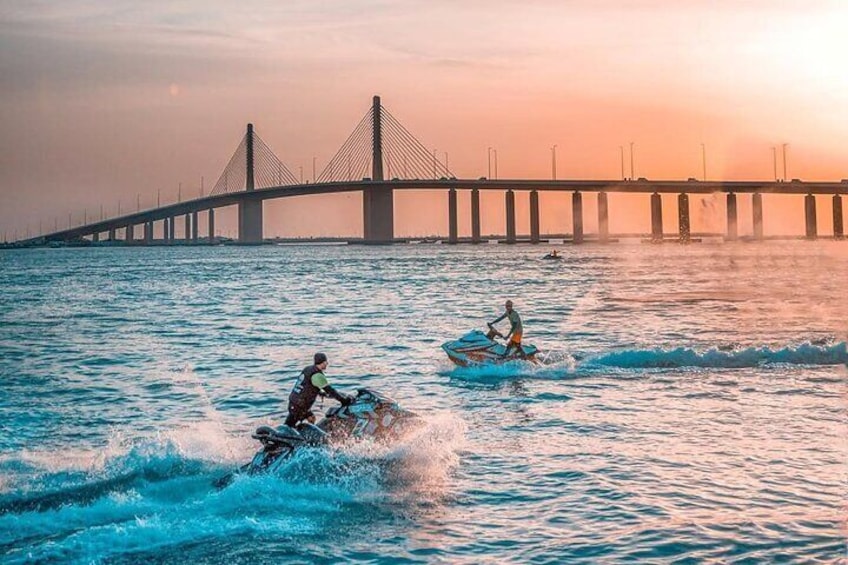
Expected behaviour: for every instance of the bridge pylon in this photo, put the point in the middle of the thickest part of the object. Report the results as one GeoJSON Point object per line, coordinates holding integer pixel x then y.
{"type": "Point", "coordinates": [250, 211]}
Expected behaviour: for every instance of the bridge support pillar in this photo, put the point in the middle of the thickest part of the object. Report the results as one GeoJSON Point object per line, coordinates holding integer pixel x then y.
{"type": "Point", "coordinates": [172, 229]}
{"type": "Point", "coordinates": [534, 216]}
{"type": "Point", "coordinates": [732, 223]}
{"type": "Point", "coordinates": [577, 217]}
{"type": "Point", "coordinates": [510, 216]}
{"type": "Point", "coordinates": [95, 237]}
{"type": "Point", "coordinates": [475, 215]}
{"type": "Point", "coordinates": [684, 227]}
{"type": "Point", "coordinates": [656, 218]}
{"type": "Point", "coordinates": [148, 233]}
{"type": "Point", "coordinates": [378, 204]}
{"type": "Point", "coordinates": [378, 214]}
{"type": "Point", "coordinates": [187, 234]}
{"type": "Point", "coordinates": [211, 225]}
{"type": "Point", "coordinates": [810, 216]}
{"type": "Point", "coordinates": [453, 228]}
{"type": "Point", "coordinates": [250, 221]}
{"type": "Point", "coordinates": [838, 227]}
{"type": "Point", "coordinates": [128, 233]}
{"type": "Point", "coordinates": [757, 210]}
{"type": "Point", "coordinates": [193, 226]}
{"type": "Point", "coordinates": [603, 217]}
{"type": "Point", "coordinates": [112, 234]}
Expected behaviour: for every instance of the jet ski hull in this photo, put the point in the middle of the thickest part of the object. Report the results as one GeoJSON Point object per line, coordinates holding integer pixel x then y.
{"type": "Point", "coordinates": [371, 415]}
{"type": "Point", "coordinates": [477, 348]}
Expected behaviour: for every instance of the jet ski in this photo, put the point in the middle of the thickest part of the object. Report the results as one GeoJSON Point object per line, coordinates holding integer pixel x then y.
{"type": "Point", "coordinates": [478, 348]}
{"type": "Point", "coordinates": [370, 415]}
{"type": "Point", "coordinates": [552, 256]}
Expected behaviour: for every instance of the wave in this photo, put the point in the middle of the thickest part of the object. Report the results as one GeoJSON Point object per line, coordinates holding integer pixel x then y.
{"type": "Point", "coordinates": [158, 492]}
{"type": "Point", "coordinates": [562, 366]}
{"type": "Point", "coordinates": [805, 354]}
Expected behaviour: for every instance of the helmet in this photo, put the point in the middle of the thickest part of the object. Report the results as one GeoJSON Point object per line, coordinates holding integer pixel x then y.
{"type": "Point", "coordinates": [320, 358]}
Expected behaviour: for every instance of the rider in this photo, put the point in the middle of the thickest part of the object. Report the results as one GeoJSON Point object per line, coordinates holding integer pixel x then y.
{"type": "Point", "coordinates": [310, 384]}
{"type": "Point", "coordinates": [513, 338]}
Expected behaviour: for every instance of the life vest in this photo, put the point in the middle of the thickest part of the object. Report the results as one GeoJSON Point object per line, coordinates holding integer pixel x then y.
{"type": "Point", "coordinates": [304, 393]}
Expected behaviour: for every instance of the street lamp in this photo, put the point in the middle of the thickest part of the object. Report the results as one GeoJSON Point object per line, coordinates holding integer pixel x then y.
{"type": "Point", "coordinates": [632, 175]}
{"type": "Point", "coordinates": [489, 161]}
{"type": "Point", "coordinates": [784, 161]}
{"type": "Point", "coordinates": [553, 162]}
{"type": "Point", "coordinates": [621, 149]}
{"type": "Point", "coordinates": [774, 161]}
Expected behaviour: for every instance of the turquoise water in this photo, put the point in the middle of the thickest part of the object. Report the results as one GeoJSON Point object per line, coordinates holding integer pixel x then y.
{"type": "Point", "coordinates": [692, 408]}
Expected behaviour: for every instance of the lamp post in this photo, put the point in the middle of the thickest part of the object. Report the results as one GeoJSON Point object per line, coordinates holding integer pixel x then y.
{"type": "Point", "coordinates": [784, 161]}
{"type": "Point", "coordinates": [774, 161]}
{"type": "Point", "coordinates": [489, 161]}
{"type": "Point", "coordinates": [632, 174]}
{"type": "Point", "coordinates": [553, 162]}
{"type": "Point", "coordinates": [621, 150]}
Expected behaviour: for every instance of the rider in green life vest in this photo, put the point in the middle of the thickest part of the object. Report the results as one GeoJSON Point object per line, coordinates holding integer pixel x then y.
{"type": "Point", "coordinates": [310, 384]}
{"type": "Point", "coordinates": [516, 329]}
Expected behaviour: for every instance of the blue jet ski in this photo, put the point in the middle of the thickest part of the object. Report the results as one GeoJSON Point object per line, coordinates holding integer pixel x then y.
{"type": "Point", "coordinates": [478, 348]}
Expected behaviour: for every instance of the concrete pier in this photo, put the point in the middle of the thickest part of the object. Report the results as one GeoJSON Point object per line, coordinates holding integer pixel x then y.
{"type": "Point", "coordinates": [732, 218]}
{"type": "Point", "coordinates": [757, 210]}
{"type": "Point", "coordinates": [128, 233]}
{"type": "Point", "coordinates": [172, 229]}
{"type": "Point", "coordinates": [656, 218]}
{"type": "Point", "coordinates": [475, 215]}
{"type": "Point", "coordinates": [187, 233]}
{"type": "Point", "coordinates": [534, 216]}
{"type": "Point", "coordinates": [112, 234]}
{"type": "Point", "coordinates": [453, 220]}
{"type": "Point", "coordinates": [148, 233]}
{"type": "Point", "coordinates": [166, 231]}
{"type": "Point", "coordinates": [684, 227]}
{"type": "Point", "coordinates": [810, 216]}
{"type": "Point", "coordinates": [577, 216]}
{"type": "Point", "coordinates": [510, 216]}
{"type": "Point", "coordinates": [838, 226]}
{"type": "Point", "coordinates": [95, 237]}
{"type": "Point", "coordinates": [211, 225]}
{"type": "Point", "coordinates": [603, 217]}
{"type": "Point", "coordinates": [194, 226]}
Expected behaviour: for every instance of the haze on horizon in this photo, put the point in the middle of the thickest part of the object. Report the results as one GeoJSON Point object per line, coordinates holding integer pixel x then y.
{"type": "Point", "coordinates": [103, 101]}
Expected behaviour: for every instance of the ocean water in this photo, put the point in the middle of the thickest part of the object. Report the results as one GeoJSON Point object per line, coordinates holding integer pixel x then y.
{"type": "Point", "coordinates": [692, 407]}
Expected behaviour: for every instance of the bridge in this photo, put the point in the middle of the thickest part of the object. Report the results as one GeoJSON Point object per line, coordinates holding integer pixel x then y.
{"type": "Point", "coordinates": [381, 157]}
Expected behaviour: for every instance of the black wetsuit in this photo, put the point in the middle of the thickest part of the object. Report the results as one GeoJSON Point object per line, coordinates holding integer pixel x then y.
{"type": "Point", "coordinates": [310, 384]}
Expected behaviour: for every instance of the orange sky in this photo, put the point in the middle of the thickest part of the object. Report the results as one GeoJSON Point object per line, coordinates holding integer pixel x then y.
{"type": "Point", "coordinates": [104, 101]}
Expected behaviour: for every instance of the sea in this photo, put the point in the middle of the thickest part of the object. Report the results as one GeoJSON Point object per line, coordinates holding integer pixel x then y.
{"type": "Point", "coordinates": [691, 405]}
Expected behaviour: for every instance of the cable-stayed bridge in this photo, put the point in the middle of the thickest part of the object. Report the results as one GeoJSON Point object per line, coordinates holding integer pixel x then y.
{"type": "Point", "coordinates": [381, 156]}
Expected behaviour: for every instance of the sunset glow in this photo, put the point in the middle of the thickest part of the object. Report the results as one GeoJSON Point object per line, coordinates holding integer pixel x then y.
{"type": "Point", "coordinates": [106, 101]}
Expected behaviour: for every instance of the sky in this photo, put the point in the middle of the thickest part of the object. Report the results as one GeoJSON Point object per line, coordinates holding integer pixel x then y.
{"type": "Point", "coordinates": [107, 101]}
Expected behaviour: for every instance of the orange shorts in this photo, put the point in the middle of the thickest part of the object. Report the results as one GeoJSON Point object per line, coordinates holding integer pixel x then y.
{"type": "Point", "coordinates": [515, 338]}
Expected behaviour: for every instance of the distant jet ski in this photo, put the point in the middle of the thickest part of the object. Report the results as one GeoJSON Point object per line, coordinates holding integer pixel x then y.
{"type": "Point", "coordinates": [478, 348]}
{"type": "Point", "coordinates": [552, 256]}
{"type": "Point", "coordinates": [370, 415]}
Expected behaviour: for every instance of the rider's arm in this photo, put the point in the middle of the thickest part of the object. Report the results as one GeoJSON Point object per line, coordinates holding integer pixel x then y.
{"type": "Point", "coordinates": [320, 381]}
{"type": "Point", "coordinates": [492, 323]}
